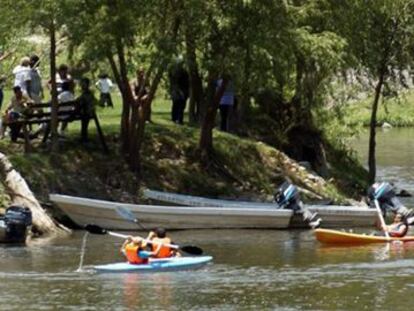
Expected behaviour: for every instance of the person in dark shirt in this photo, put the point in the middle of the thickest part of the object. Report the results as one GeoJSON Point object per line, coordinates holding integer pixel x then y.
{"type": "Point", "coordinates": [86, 102]}
{"type": "Point", "coordinates": [179, 92]}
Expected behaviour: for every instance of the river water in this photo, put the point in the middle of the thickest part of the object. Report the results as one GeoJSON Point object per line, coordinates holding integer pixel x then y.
{"type": "Point", "coordinates": [252, 269]}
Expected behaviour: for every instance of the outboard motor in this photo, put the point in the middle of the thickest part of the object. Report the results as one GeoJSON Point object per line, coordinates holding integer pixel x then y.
{"type": "Point", "coordinates": [386, 196]}
{"type": "Point", "coordinates": [288, 197]}
{"type": "Point", "coordinates": [15, 224]}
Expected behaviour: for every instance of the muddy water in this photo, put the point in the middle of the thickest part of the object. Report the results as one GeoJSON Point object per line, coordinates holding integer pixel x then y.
{"type": "Point", "coordinates": [252, 270]}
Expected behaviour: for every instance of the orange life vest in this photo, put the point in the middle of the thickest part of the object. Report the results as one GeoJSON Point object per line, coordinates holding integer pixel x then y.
{"type": "Point", "coordinates": [131, 253]}
{"type": "Point", "coordinates": [165, 251]}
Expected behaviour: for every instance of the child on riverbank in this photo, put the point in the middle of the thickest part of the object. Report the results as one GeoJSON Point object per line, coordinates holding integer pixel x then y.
{"type": "Point", "coordinates": [104, 85]}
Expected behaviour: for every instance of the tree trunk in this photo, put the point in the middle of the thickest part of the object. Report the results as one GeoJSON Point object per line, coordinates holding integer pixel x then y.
{"type": "Point", "coordinates": [372, 130]}
{"type": "Point", "coordinates": [196, 85]}
{"type": "Point", "coordinates": [127, 97]}
{"type": "Point", "coordinates": [141, 109]}
{"type": "Point", "coordinates": [243, 108]}
{"type": "Point", "coordinates": [55, 107]}
{"type": "Point", "coordinates": [206, 135]}
{"type": "Point", "coordinates": [20, 194]}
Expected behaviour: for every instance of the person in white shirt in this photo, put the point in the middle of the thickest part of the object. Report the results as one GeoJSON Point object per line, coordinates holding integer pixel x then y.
{"type": "Point", "coordinates": [62, 76]}
{"type": "Point", "coordinates": [22, 74]}
{"type": "Point", "coordinates": [104, 85]}
{"type": "Point", "coordinates": [34, 81]}
{"type": "Point", "coordinates": [64, 97]}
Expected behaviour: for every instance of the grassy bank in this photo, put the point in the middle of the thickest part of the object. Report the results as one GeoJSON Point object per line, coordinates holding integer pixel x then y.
{"type": "Point", "coordinates": [241, 168]}
{"type": "Point", "coordinates": [399, 112]}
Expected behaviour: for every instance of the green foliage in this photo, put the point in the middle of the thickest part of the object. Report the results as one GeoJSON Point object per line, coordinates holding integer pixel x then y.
{"type": "Point", "coordinates": [302, 51]}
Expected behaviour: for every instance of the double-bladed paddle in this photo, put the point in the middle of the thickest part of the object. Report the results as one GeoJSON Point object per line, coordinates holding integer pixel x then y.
{"type": "Point", "coordinates": [381, 218]}
{"type": "Point", "coordinates": [128, 215]}
{"type": "Point", "coordinates": [190, 249]}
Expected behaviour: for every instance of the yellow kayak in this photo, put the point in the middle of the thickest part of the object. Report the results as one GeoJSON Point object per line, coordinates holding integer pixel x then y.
{"type": "Point", "coordinates": [340, 237]}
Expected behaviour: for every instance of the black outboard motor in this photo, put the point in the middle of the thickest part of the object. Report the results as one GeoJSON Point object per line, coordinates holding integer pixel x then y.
{"type": "Point", "coordinates": [288, 197]}
{"type": "Point", "coordinates": [15, 224]}
{"type": "Point", "coordinates": [386, 196]}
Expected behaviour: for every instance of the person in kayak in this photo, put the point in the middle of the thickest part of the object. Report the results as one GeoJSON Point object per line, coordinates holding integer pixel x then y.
{"type": "Point", "coordinates": [386, 195]}
{"type": "Point", "coordinates": [158, 240]}
{"type": "Point", "coordinates": [398, 228]}
{"type": "Point", "coordinates": [134, 249]}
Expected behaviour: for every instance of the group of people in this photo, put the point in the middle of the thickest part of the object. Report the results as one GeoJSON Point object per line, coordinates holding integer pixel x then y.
{"type": "Point", "coordinates": [28, 91]}
{"type": "Point", "coordinates": [157, 245]}
{"type": "Point", "coordinates": [179, 81]}
{"type": "Point", "coordinates": [28, 81]}
{"type": "Point", "coordinates": [138, 250]}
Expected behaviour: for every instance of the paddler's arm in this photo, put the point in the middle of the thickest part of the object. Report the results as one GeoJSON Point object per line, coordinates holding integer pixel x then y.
{"type": "Point", "coordinates": [157, 251]}
{"type": "Point", "coordinates": [128, 240]}
{"type": "Point", "coordinates": [137, 239]}
{"type": "Point", "coordinates": [151, 235]}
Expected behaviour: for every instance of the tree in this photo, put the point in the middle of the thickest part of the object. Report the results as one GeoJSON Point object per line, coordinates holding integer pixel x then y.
{"type": "Point", "coordinates": [380, 37]}
{"type": "Point", "coordinates": [112, 30]}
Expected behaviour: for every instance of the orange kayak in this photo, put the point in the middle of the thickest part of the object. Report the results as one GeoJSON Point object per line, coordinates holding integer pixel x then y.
{"type": "Point", "coordinates": [340, 237]}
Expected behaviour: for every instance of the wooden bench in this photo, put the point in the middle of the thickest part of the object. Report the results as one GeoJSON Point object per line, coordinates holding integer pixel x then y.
{"type": "Point", "coordinates": [42, 114]}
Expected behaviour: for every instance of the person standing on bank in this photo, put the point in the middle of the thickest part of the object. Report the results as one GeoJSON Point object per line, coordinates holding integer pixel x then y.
{"type": "Point", "coordinates": [62, 76]}
{"type": "Point", "coordinates": [104, 85]}
{"type": "Point", "coordinates": [87, 102]}
{"type": "Point", "coordinates": [65, 96]}
{"type": "Point", "coordinates": [22, 74]}
{"type": "Point", "coordinates": [34, 81]}
{"type": "Point", "coordinates": [179, 91]}
{"type": "Point", "coordinates": [226, 104]}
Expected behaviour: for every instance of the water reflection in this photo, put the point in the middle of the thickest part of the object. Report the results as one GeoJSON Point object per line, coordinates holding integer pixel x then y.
{"type": "Point", "coordinates": [135, 290]}
{"type": "Point", "coordinates": [395, 157]}
{"type": "Point", "coordinates": [284, 270]}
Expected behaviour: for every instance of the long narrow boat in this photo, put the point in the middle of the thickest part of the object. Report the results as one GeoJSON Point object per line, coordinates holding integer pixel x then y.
{"type": "Point", "coordinates": [103, 213]}
{"type": "Point", "coordinates": [339, 237]}
{"type": "Point", "coordinates": [157, 265]}
{"type": "Point", "coordinates": [333, 216]}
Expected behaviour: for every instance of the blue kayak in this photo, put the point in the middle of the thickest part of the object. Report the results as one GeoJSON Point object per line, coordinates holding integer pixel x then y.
{"type": "Point", "coordinates": [157, 265]}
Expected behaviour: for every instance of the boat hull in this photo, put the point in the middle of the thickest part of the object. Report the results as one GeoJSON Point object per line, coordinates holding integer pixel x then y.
{"type": "Point", "coordinates": [339, 237]}
{"type": "Point", "coordinates": [156, 265]}
{"type": "Point", "coordinates": [333, 216]}
{"type": "Point", "coordinates": [103, 213]}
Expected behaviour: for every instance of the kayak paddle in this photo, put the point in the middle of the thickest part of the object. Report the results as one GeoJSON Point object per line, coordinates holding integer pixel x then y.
{"type": "Point", "coordinates": [190, 249]}
{"type": "Point", "coordinates": [383, 225]}
{"type": "Point", "coordinates": [128, 215]}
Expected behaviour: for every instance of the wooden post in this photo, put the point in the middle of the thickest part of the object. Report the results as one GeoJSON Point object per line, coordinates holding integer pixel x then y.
{"type": "Point", "coordinates": [27, 146]}
{"type": "Point", "coordinates": [100, 133]}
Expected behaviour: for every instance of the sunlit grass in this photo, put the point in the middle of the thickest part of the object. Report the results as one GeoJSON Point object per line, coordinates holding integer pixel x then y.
{"type": "Point", "coordinates": [398, 112]}
{"type": "Point", "coordinates": [170, 162]}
